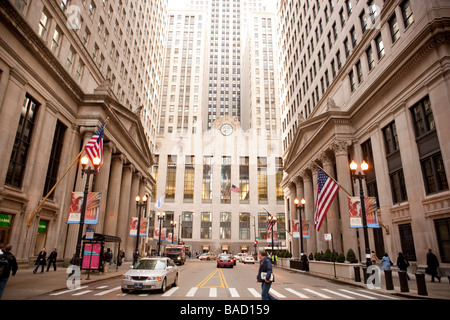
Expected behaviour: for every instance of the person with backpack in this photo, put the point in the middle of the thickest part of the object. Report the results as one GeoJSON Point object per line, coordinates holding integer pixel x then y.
{"type": "Point", "coordinates": [8, 264]}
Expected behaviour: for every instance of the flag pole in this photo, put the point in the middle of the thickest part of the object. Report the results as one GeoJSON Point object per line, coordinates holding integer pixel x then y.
{"type": "Point", "coordinates": [32, 214]}
{"type": "Point", "coordinates": [340, 186]}
{"type": "Point", "coordinates": [279, 223]}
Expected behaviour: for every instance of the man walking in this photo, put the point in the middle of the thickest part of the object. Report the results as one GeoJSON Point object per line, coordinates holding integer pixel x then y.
{"type": "Point", "coordinates": [265, 275]}
{"type": "Point", "coordinates": [8, 264]}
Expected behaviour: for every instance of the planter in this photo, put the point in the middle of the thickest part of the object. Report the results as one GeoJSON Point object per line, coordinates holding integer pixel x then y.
{"type": "Point", "coordinates": [344, 271]}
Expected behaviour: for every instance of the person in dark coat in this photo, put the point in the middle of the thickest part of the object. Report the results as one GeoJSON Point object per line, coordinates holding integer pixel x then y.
{"type": "Point", "coordinates": [265, 265]}
{"type": "Point", "coordinates": [433, 264]}
{"type": "Point", "coordinates": [52, 259]}
{"type": "Point", "coordinates": [403, 264]}
{"type": "Point", "coordinates": [41, 260]}
{"type": "Point", "coordinates": [9, 269]}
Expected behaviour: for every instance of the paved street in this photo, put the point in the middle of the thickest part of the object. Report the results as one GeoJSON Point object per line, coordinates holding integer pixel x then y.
{"type": "Point", "coordinates": [202, 280]}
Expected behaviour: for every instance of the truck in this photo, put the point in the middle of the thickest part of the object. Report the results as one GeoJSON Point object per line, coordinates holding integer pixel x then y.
{"type": "Point", "coordinates": [176, 252]}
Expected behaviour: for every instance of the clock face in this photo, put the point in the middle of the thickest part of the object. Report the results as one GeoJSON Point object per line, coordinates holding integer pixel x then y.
{"type": "Point", "coordinates": [226, 129]}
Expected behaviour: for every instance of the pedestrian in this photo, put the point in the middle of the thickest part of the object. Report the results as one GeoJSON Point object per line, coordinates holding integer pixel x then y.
{"type": "Point", "coordinates": [403, 264]}
{"type": "Point", "coordinates": [108, 258]}
{"type": "Point", "coordinates": [52, 259]}
{"type": "Point", "coordinates": [265, 275]}
{"type": "Point", "coordinates": [374, 258]}
{"type": "Point", "coordinates": [8, 267]}
{"type": "Point", "coordinates": [386, 262]}
{"type": "Point", "coordinates": [274, 259]}
{"type": "Point", "coordinates": [41, 260]}
{"type": "Point", "coordinates": [433, 264]}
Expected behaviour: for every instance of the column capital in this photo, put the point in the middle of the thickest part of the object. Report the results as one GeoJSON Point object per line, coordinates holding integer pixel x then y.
{"type": "Point", "coordinates": [340, 147]}
{"type": "Point", "coordinates": [84, 130]}
{"type": "Point", "coordinates": [298, 180]}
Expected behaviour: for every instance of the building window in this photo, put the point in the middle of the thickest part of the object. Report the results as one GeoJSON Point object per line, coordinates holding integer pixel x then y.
{"type": "Point", "coordinates": [55, 159]}
{"type": "Point", "coordinates": [43, 24]}
{"type": "Point", "coordinates": [56, 41]}
{"type": "Point", "coordinates": [225, 225]}
{"type": "Point", "coordinates": [435, 178]}
{"type": "Point", "coordinates": [18, 160]}
{"type": "Point", "coordinates": [351, 77]}
{"type": "Point", "coordinates": [262, 225]}
{"type": "Point", "coordinates": [155, 176]}
{"type": "Point", "coordinates": [281, 232]}
{"type": "Point", "coordinates": [207, 178]}
{"type": "Point", "coordinates": [225, 184]}
{"type": "Point", "coordinates": [370, 60]}
{"type": "Point", "coordinates": [189, 175]}
{"type": "Point", "coordinates": [407, 242]}
{"type": "Point", "coordinates": [262, 179]}
{"type": "Point", "coordinates": [206, 225]}
{"type": "Point", "coordinates": [380, 46]}
{"type": "Point", "coordinates": [279, 178]}
{"type": "Point", "coordinates": [393, 26]}
{"type": "Point", "coordinates": [244, 180]}
{"type": "Point", "coordinates": [186, 225]}
{"type": "Point", "coordinates": [244, 226]}
{"type": "Point", "coordinates": [171, 177]}
{"type": "Point", "coordinates": [443, 238]}
{"type": "Point", "coordinates": [407, 13]}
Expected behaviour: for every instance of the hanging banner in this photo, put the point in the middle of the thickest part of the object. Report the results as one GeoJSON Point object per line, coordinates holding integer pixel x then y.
{"type": "Point", "coordinates": [92, 208]}
{"type": "Point", "coordinates": [269, 236]}
{"type": "Point", "coordinates": [355, 213]}
{"type": "Point", "coordinates": [134, 226]}
{"type": "Point", "coordinates": [296, 229]}
{"type": "Point", "coordinates": [305, 225]}
{"type": "Point", "coordinates": [156, 234]}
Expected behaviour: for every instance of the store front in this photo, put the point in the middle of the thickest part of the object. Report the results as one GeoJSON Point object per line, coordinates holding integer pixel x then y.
{"type": "Point", "coordinates": [5, 227]}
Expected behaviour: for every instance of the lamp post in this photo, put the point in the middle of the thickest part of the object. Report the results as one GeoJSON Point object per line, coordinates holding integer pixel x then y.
{"type": "Point", "coordinates": [272, 221]}
{"type": "Point", "coordinates": [300, 205]}
{"type": "Point", "coordinates": [360, 176]}
{"type": "Point", "coordinates": [160, 218]}
{"type": "Point", "coordinates": [173, 223]}
{"type": "Point", "coordinates": [88, 171]}
{"type": "Point", "coordinates": [139, 205]}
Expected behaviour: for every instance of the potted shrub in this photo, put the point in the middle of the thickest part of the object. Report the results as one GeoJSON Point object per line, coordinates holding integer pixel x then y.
{"type": "Point", "coordinates": [351, 257]}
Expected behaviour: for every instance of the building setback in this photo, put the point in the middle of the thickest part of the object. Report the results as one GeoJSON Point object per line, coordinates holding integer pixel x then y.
{"type": "Point", "coordinates": [66, 66]}
{"type": "Point", "coordinates": [367, 80]}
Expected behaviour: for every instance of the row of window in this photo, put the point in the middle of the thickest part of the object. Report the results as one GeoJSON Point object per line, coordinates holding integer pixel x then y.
{"type": "Point", "coordinates": [186, 230]}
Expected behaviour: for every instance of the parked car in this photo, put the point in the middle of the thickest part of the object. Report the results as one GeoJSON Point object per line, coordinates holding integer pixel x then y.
{"type": "Point", "coordinates": [150, 274]}
{"type": "Point", "coordinates": [225, 260]}
{"type": "Point", "coordinates": [248, 259]}
{"type": "Point", "coordinates": [207, 256]}
{"type": "Point", "coordinates": [239, 256]}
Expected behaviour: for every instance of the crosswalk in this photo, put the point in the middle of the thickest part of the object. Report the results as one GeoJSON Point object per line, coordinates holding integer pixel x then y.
{"type": "Point", "coordinates": [244, 293]}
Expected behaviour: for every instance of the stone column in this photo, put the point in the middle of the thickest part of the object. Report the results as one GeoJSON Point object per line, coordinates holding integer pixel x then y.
{"type": "Point", "coordinates": [101, 183]}
{"type": "Point", "coordinates": [112, 203]}
{"type": "Point", "coordinates": [300, 194]}
{"type": "Point", "coordinates": [129, 243]}
{"type": "Point", "coordinates": [294, 215]}
{"type": "Point", "coordinates": [332, 217]}
{"type": "Point", "coordinates": [309, 212]}
{"type": "Point", "coordinates": [126, 198]}
{"type": "Point", "coordinates": [345, 180]}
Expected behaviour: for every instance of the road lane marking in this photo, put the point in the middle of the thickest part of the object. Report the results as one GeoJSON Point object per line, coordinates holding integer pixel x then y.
{"type": "Point", "coordinates": [170, 292]}
{"type": "Point", "coordinates": [254, 292]}
{"type": "Point", "coordinates": [66, 291]}
{"type": "Point", "coordinates": [233, 292]}
{"type": "Point", "coordinates": [81, 293]}
{"type": "Point", "coordinates": [377, 294]}
{"type": "Point", "coordinates": [298, 294]}
{"type": "Point", "coordinates": [192, 292]}
{"type": "Point", "coordinates": [358, 294]}
{"type": "Point", "coordinates": [279, 295]}
{"type": "Point", "coordinates": [108, 291]}
{"type": "Point", "coordinates": [318, 294]}
{"type": "Point", "coordinates": [338, 294]}
{"type": "Point", "coordinates": [213, 293]}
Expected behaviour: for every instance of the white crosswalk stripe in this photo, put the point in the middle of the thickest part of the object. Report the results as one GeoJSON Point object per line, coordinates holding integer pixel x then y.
{"type": "Point", "coordinates": [213, 292]}
{"type": "Point", "coordinates": [358, 294]}
{"type": "Point", "coordinates": [317, 293]}
{"type": "Point", "coordinates": [170, 292]}
{"type": "Point", "coordinates": [378, 294]}
{"type": "Point", "coordinates": [233, 292]}
{"type": "Point", "coordinates": [276, 293]}
{"type": "Point", "coordinates": [67, 291]}
{"type": "Point", "coordinates": [192, 292]}
{"type": "Point", "coordinates": [298, 294]}
{"type": "Point", "coordinates": [81, 293]}
{"type": "Point", "coordinates": [107, 291]}
{"type": "Point", "coordinates": [338, 294]}
{"type": "Point", "coordinates": [255, 293]}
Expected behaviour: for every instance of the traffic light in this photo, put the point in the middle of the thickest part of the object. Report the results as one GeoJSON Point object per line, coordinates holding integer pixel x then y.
{"type": "Point", "coordinates": [255, 243]}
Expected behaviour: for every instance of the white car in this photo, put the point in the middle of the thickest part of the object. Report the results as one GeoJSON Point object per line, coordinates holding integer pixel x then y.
{"type": "Point", "coordinates": [239, 256]}
{"type": "Point", "coordinates": [149, 274]}
{"type": "Point", "coordinates": [248, 259]}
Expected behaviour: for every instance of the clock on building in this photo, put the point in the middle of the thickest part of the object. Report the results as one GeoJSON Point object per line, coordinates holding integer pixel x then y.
{"type": "Point", "coordinates": [226, 129]}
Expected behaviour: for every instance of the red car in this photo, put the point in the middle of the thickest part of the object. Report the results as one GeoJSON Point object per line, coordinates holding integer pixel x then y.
{"type": "Point", "coordinates": [225, 261]}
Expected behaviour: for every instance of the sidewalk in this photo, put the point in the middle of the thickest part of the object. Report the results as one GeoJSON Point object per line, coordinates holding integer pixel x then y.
{"type": "Point", "coordinates": [25, 284]}
{"type": "Point", "coordinates": [435, 290]}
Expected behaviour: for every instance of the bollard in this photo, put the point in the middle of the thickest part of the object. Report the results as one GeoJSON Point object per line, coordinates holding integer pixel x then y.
{"type": "Point", "coordinates": [421, 285]}
{"type": "Point", "coordinates": [366, 276]}
{"type": "Point", "coordinates": [403, 281]}
{"type": "Point", "coordinates": [357, 274]}
{"type": "Point", "coordinates": [388, 278]}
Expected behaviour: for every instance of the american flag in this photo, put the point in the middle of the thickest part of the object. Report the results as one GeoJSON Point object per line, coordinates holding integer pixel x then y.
{"type": "Point", "coordinates": [235, 189]}
{"type": "Point", "coordinates": [327, 189]}
{"type": "Point", "coordinates": [269, 223]}
{"type": "Point", "coordinates": [94, 147]}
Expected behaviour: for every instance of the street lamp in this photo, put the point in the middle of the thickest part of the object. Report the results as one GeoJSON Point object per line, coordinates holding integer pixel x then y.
{"type": "Point", "coordinates": [360, 176]}
{"type": "Point", "coordinates": [160, 218]}
{"type": "Point", "coordinates": [88, 171]}
{"type": "Point", "coordinates": [139, 205]}
{"type": "Point", "coordinates": [173, 223]}
{"type": "Point", "coordinates": [272, 221]}
{"type": "Point", "coordinates": [300, 205]}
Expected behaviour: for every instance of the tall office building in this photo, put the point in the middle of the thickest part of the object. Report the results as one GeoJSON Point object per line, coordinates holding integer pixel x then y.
{"type": "Point", "coordinates": [65, 67]}
{"type": "Point", "coordinates": [219, 166]}
{"type": "Point", "coordinates": [366, 80]}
